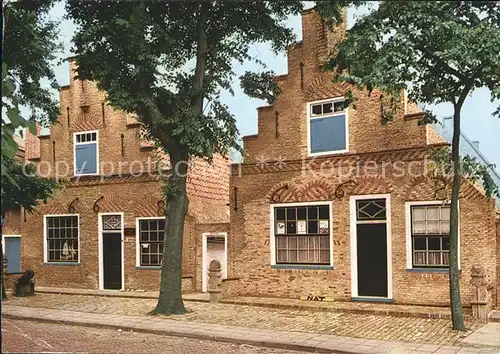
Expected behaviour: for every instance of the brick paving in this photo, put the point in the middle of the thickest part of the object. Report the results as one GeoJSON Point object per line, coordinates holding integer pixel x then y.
{"type": "Point", "coordinates": [26, 336]}
{"type": "Point", "coordinates": [367, 326]}
{"type": "Point", "coordinates": [310, 342]}
{"type": "Point", "coordinates": [345, 306]}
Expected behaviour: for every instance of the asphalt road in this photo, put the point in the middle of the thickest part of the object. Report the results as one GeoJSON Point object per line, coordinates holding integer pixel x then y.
{"type": "Point", "coordinates": [27, 336]}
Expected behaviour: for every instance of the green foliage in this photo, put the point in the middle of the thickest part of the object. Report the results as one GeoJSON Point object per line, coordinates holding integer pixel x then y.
{"type": "Point", "coordinates": [29, 48]}
{"type": "Point", "coordinates": [142, 54]}
{"type": "Point", "coordinates": [260, 85]}
{"type": "Point", "coordinates": [23, 188]}
{"type": "Point", "coordinates": [470, 168]}
{"type": "Point", "coordinates": [441, 48]}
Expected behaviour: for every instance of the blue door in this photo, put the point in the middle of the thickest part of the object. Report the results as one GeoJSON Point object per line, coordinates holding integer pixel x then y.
{"type": "Point", "coordinates": [13, 253]}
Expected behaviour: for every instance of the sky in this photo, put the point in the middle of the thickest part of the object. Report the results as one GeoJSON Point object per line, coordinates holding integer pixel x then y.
{"type": "Point", "coordinates": [477, 120]}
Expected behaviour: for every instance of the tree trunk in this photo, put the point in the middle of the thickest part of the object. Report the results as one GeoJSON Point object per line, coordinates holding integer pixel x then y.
{"type": "Point", "coordinates": [170, 299]}
{"type": "Point", "coordinates": [457, 316]}
{"type": "Point", "coordinates": [4, 293]}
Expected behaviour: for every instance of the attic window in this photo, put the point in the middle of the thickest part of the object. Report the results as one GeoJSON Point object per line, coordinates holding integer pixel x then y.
{"type": "Point", "coordinates": [86, 153]}
{"type": "Point", "coordinates": [328, 127]}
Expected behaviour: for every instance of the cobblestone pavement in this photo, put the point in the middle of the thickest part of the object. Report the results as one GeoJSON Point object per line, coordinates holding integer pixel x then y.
{"type": "Point", "coordinates": [389, 328]}
{"type": "Point", "coordinates": [25, 336]}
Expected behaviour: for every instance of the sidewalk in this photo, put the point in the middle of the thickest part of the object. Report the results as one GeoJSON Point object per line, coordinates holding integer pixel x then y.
{"type": "Point", "coordinates": [310, 342]}
{"type": "Point", "coordinates": [281, 303]}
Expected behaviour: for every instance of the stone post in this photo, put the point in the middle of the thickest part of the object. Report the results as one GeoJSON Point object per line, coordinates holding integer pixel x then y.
{"type": "Point", "coordinates": [479, 296]}
{"type": "Point", "coordinates": [214, 281]}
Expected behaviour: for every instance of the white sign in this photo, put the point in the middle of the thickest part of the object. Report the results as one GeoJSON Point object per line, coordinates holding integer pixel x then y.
{"type": "Point", "coordinates": [280, 228]}
{"type": "Point", "coordinates": [323, 227]}
{"type": "Point", "coordinates": [301, 227]}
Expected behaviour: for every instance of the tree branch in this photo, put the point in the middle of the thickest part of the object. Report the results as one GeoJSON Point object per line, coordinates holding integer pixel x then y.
{"type": "Point", "coordinates": [441, 62]}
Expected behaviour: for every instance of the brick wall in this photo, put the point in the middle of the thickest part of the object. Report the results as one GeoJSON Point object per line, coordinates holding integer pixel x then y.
{"type": "Point", "coordinates": [128, 183]}
{"type": "Point", "coordinates": [249, 252]}
{"type": "Point", "coordinates": [277, 157]}
{"type": "Point", "coordinates": [282, 127]}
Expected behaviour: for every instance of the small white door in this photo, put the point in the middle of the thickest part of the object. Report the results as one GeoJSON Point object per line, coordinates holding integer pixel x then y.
{"type": "Point", "coordinates": [214, 249]}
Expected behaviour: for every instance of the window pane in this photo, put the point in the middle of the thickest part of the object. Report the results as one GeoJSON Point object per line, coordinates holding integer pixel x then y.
{"type": "Point", "coordinates": [434, 243]}
{"type": "Point", "coordinates": [280, 213]}
{"type": "Point", "coordinates": [433, 227]}
{"type": "Point", "coordinates": [316, 109]}
{"type": "Point", "coordinates": [419, 227]}
{"type": "Point", "coordinates": [433, 213]}
{"type": "Point", "coordinates": [301, 213]}
{"type": "Point", "coordinates": [312, 213]}
{"type": "Point", "coordinates": [324, 212]}
{"type": "Point", "coordinates": [292, 242]}
{"type": "Point", "coordinates": [327, 108]}
{"type": "Point", "coordinates": [418, 213]}
{"type": "Point", "coordinates": [281, 256]}
{"type": "Point", "coordinates": [86, 158]}
{"type": "Point", "coordinates": [445, 213]}
{"type": "Point", "coordinates": [419, 243]}
{"type": "Point", "coordinates": [446, 243]}
{"type": "Point", "coordinates": [419, 259]}
{"type": "Point", "coordinates": [312, 227]}
{"type": "Point", "coordinates": [291, 227]}
{"type": "Point", "coordinates": [338, 106]}
{"type": "Point", "coordinates": [328, 134]}
{"type": "Point", "coordinates": [291, 214]}
{"type": "Point", "coordinates": [445, 227]}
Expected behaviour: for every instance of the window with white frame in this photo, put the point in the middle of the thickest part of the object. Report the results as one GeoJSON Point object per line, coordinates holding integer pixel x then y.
{"type": "Point", "coordinates": [302, 234]}
{"type": "Point", "coordinates": [151, 234]}
{"type": "Point", "coordinates": [62, 238]}
{"type": "Point", "coordinates": [86, 153]}
{"type": "Point", "coordinates": [328, 127]}
{"type": "Point", "coordinates": [430, 235]}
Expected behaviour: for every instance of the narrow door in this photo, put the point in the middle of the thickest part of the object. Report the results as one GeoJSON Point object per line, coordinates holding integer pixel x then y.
{"type": "Point", "coordinates": [215, 250]}
{"type": "Point", "coordinates": [371, 244]}
{"type": "Point", "coordinates": [112, 260]}
{"type": "Point", "coordinates": [372, 259]}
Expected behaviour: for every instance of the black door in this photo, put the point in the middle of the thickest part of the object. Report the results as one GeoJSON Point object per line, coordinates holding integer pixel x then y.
{"type": "Point", "coordinates": [112, 260]}
{"type": "Point", "coordinates": [372, 259]}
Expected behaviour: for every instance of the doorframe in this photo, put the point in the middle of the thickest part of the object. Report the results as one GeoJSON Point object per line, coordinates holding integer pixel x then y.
{"type": "Point", "coordinates": [101, 260]}
{"type": "Point", "coordinates": [204, 242]}
{"type": "Point", "coordinates": [354, 244]}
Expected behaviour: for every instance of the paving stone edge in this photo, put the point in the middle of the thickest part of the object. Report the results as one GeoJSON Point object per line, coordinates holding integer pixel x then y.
{"type": "Point", "coordinates": [227, 339]}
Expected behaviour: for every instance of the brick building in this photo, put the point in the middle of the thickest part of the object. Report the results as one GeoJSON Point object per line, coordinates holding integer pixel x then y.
{"type": "Point", "coordinates": [330, 202]}
{"type": "Point", "coordinates": [104, 229]}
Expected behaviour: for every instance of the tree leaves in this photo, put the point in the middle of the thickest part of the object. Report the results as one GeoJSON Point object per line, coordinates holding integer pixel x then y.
{"type": "Point", "coordinates": [260, 85]}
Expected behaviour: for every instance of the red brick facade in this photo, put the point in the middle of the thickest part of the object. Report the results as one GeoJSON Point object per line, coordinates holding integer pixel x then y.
{"type": "Point", "coordinates": [387, 160]}
{"type": "Point", "coordinates": [128, 183]}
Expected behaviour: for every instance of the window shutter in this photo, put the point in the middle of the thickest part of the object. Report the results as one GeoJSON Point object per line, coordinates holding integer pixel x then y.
{"type": "Point", "coordinates": [13, 253]}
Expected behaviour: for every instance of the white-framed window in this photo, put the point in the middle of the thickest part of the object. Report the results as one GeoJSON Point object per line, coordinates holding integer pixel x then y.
{"type": "Point", "coordinates": [11, 247]}
{"type": "Point", "coordinates": [150, 235]}
{"type": "Point", "coordinates": [301, 234]}
{"type": "Point", "coordinates": [86, 153]}
{"type": "Point", "coordinates": [62, 238]}
{"type": "Point", "coordinates": [327, 127]}
{"type": "Point", "coordinates": [428, 235]}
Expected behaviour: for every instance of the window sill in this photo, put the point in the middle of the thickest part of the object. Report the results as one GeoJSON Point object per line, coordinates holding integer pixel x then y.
{"type": "Point", "coordinates": [327, 153]}
{"type": "Point", "coordinates": [61, 264]}
{"type": "Point", "coordinates": [371, 299]}
{"type": "Point", "coordinates": [301, 266]}
{"type": "Point", "coordinates": [428, 270]}
{"type": "Point", "coordinates": [14, 273]}
{"type": "Point", "coordinates": [148, 267]}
